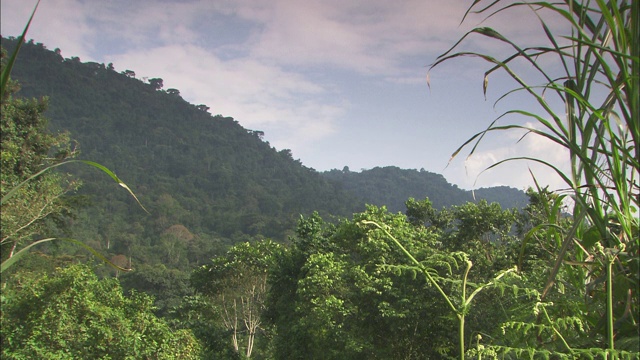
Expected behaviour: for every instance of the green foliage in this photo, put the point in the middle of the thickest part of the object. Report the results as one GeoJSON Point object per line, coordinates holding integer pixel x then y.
{"type": "Point", "coordinates": [198, 314]}
{"type": "Point", "coordinates": [165, 285]}
{"type": "Point", "coordinates": [456, 299]}
{"type": "Point", "coordinates": [390, 186]}
{"type": "Point", "coordinates": [31, 200]}
{"type": "Point", "coordinates": [594, 257]}
{"type": "Point", "coordinates": [221, 182]}
{"type": "Point", "coordinates": [237, 285]}
{"type": "Point", "coordinates": [29, 194]}
{"type": "Point", "coordinates": [380, 285]}
{"type": "Point", "coordinates": [70, 314]}
{"type": "Point", "coordinates": [482, 229]}
{"type": "Point", "coordinates": [347, 291]}
{"type": "Point", "coordinates": [222, 179]}
{"type": "Point", "coordinates": [6, 70]}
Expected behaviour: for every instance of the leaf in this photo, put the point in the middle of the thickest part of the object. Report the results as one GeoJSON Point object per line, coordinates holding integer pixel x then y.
{"type": "Point", "coordinates": [12, 260]}
{"type": "Point", "coordinates": [6, 72]}
{"type": "Point", "coordinates": [12, 192]}
{"type": "Point", "coordinates": [591, 237]}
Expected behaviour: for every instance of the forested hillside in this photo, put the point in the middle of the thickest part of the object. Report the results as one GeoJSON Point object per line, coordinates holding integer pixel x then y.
{"type": "Point", "coordinates": [236, 250]}
{"type": "Point", "coordinates": [391, 186]}
{"type": "Point", "coordinates": [206, 174]}
{"type": "Point", "coordinates": [207, 182]}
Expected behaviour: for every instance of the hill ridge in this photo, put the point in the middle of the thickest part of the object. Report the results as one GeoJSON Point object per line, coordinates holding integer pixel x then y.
{"type": "Point", "coordinates": [205, 172]}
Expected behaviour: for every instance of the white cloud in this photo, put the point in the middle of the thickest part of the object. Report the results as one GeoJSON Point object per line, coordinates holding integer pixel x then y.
{"type": "Point", "coordinates": [258, 95]}
{"type": "Point", "coordinates": [470, 172]}
{"type": "Point", "coordinates": [265, 76]}
{"type": "Point", "coordinates": [53, 18]}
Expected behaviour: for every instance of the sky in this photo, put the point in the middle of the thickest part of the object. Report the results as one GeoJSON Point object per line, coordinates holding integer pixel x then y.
{"type": "Point", "coordinates": [339, 82]}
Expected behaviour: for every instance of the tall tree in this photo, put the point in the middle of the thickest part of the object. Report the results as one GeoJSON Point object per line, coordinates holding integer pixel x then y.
{"type": "Point", "coordinates": [237, 281]}
{"type": "Point", "coordinates": [333, 295]}
{"type": "Point", "coordinates": [156, 83]}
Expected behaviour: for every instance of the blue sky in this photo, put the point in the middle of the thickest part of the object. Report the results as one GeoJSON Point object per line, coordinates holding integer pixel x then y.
{"type": "Point", "coordinates": [340, 83]}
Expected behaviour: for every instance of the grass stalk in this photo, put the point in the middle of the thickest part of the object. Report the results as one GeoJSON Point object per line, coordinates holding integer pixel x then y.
{"type": "Point", "coordinates": [610, 259]}
{"type": "Point", "coordinates": [600, 88]}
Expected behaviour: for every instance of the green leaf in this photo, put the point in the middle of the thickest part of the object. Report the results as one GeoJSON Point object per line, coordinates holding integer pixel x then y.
{"type": "Point", "coordinates": [6, 72]}
{"type": "Point", "coordinates": [12, 260]}
{"type": "Point", "coordinates": [11, 193]}
{"type": "Point", "coordinates": [591, 237]}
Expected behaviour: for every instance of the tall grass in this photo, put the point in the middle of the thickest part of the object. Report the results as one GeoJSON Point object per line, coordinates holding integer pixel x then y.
{"type": "Point", "coordinates": [599, 86]}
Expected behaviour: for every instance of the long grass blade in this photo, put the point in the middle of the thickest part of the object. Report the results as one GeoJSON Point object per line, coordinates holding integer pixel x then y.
{"type": "Point", "coordinates": [6, 72]}
{"type": "Point", "coordinates": [19, 254]}
{"type": "Point", "coordinates": [104, 169]}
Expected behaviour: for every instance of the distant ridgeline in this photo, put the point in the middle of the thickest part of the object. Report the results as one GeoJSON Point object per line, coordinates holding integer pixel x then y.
{"type": "Point", "coordinates": [205, 173]}
{"type": "Point", "coordinates": [392, 186]}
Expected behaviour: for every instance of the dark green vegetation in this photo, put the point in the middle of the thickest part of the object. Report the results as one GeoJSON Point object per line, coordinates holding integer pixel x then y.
{"type": "Point", "coordinates": [468, 280]}
{"type": "Point", "coordinates": [223, 186]}
{"type": "Point", "coordinates": [202, 177]}
{"type": "Point", "coordinates": [391, 187]}
{"type": "Point", "coordinates": [205, 172]}
{"type": "Point", "coordinates": [70, 314]}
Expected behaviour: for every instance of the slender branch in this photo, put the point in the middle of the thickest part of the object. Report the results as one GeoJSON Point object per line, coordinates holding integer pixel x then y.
{"type": "Point", "coordinates": [418, 264]}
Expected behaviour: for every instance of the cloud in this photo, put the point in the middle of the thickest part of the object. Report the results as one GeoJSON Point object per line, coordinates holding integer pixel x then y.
{"type": "Point", "coordinates": [53, 18]}
{"type": "Point", "coordinates": [472, 173]}
{"type": "Point", "coordinates": [258, 95]}
{"type": "Point", "coordinates": [281, 66]}
{"type": "Point", "coordinates": [368, 37]}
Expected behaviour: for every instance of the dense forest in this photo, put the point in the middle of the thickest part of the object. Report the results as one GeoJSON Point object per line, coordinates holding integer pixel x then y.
{"type": "Point", "coordinates": [204, 173]}
{"type": "Point", "coordinates": [391, 186]}
{"type": "Point", "coordinates": [226, 247]}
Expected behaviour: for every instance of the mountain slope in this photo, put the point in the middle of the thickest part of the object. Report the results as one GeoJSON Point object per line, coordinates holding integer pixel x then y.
{"type": "Point", "coordinates": [205, 179]}
{"type": "Point", "coordinates": [392, 186]}
{"type": "Point", "coordinates": [188, 167]}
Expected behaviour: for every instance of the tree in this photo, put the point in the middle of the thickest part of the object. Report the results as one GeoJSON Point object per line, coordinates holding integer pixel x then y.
{"type": "Point", "coordinates": [238, 283]}
{"type": "Point", "coordinates": [156, 83]}
{"type": "Point", "coordinates": [423, 213]}
{"type": "Point", "coordinates": [120, 261]}
{"type": "Point", "coordinates": [334, 296]}
{"type": "Point", "coordinates": [71, 314]}
{"type": "Point", "coordinates": [195, 313]}
{"type": "Point", "coordinates": [202, 107]}
{"type": "Point", "coordinates": [173, 91]}
{"type": "Point", "coordinates": [167, 286]}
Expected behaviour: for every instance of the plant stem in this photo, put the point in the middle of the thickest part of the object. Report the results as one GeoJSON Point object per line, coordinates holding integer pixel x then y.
{"type": "Point", "coordinates": [424, 270]}
{"type": "Point", "coordinates": [610, 258]}
{"type": "Point", "coordinates": [464, 307]}
{"type": "Point", "coordinates": [461, 338]}
{"type": "Point", "coordinates": [459, 313]}
{"type": "Point", "coordinates": [556, 331]}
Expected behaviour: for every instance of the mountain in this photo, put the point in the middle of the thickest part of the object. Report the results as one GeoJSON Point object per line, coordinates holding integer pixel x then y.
{"type": "Point", "coordinates": [207, 181]}
{"type": "Point", "coordinates": [392, 186]}
{"type": "Point", "coordinates": [189, 168]}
